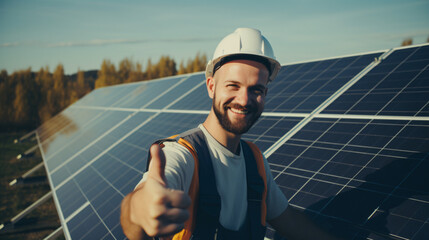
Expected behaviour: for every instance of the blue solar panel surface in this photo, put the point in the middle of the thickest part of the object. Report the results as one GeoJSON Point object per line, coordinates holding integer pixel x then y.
{"type": "Point", "coordinates": [177, 92]}
{"type": "Point", "coordinates": [302, 87]}
{"type": "Point", "coordinates": [399, 85]}
{"type": "Point", "coordinates": [357, 163]}
{"type": "Point", "coordinates": [197, 100]}
{"type": "Point", "coordinates": [361, 171]}
{"type": "Point", "coordinates": [147, 92]}
{"type": "Point", "coordinates": [106, 97]}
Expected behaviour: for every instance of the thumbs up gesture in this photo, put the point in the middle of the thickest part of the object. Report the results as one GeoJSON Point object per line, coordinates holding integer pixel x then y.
{"type": "Point", "coordinates": [159, 211]}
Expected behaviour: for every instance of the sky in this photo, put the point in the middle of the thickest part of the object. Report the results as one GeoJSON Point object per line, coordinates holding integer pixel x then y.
{"type": "Point", "coordinates": [80, 34]}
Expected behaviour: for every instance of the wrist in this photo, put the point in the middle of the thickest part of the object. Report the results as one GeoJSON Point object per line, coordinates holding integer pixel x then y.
{"type": "Point", "coordinates": [128, 221]}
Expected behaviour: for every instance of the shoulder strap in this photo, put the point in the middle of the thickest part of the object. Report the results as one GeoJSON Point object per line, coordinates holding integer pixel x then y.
{"type": "Point", "coordinates": [259, 159]}
{"type": "Point", "coordinates": [256, 190]}
{"type": "Point", "coordinates": [209, 203]}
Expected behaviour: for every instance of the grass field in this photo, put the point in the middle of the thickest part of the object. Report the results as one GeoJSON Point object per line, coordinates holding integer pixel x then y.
{"type": "Point", "coordinates": [14, 199]}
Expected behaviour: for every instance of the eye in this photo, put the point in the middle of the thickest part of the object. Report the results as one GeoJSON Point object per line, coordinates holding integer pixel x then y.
{"type": "Point", "coordinates": [258, 91]}
{"type": "Point", "coordinates": [232, 86]}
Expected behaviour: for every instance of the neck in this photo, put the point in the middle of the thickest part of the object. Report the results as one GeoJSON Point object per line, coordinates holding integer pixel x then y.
{"type": "Point", "coordinates": [229, 140]}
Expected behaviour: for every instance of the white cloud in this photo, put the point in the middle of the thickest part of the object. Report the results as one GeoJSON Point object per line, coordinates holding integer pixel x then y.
{"type": "Point", "coordinates": [9, 44]}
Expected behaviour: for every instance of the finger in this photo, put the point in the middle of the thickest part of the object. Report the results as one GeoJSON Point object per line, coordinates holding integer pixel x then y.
{"type": "Point", "coordinates": [171, 229]}
{"type": "Point", "coordinates": [157, 164]}
{"type": "Point", "coordinates": [178, 199]}
{"type": "Point", "coordinates": [176, 215]}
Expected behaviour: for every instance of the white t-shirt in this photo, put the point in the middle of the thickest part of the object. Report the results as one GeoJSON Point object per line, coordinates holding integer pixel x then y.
{"type": "Point", "coordinates": [230, 173]}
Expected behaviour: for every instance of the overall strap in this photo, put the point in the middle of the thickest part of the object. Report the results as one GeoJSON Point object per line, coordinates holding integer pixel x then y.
{"type": "Point", "coordinates": [256, 190]}
{"type": "Point", "coordinates": [209, 202]}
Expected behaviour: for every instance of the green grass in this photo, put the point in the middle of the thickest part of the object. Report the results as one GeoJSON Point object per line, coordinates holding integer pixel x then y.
{"type": "Point", "coordinates": [14, 199]}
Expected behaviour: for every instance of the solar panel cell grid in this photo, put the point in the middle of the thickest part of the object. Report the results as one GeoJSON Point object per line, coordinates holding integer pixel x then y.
{"type": "Point", "coordinates": [394, 87]}
{"type": "Point", "coordinates": [70, 204]}
{"type": "Point", "coordinates": [196, 100]}
{"type": "Point", "coordinates": [146, 92]}
{"type": "Point", "coordinates": [107, 96]}
{"type": "Point", "coordinates": [268, 130]}
{"type": "Point", "coordinates": [177, 92]}
{"type": "Point", "coordinates": [64, 147]}
{"type": "Point", "coordinates": [66, 122]}
{"type": "Point", "coordinates": [86, 227]}
{"type": "Point", "coordinates": [309, 85]}
{"type": "Point", "coordinates": [118, 181]}
{"type": "Point", "coordinates": [365, 180]}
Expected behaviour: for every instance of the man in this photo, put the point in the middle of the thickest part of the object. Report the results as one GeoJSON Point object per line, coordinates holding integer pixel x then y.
{"type": "Point", "coordinates": [236, 80]}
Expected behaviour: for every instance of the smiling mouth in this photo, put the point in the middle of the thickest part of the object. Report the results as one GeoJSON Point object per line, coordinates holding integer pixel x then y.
{"type": "Point", "coordinates": [239, 111]}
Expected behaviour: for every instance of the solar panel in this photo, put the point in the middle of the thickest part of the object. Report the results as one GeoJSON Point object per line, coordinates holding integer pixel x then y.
{"type": "Point", "coordinates": [305, 86]}
{"type": "Point", "coordinates": [360, 171]}
{"type": "Point", "coordinates": [397, 86]}
{"type": "Point", "coordinates": [346, 139]}
{"type": "Point", "coordinates": [197, 100]}
{"type": "Point", "coordinates": [144, 94]}
{"type": "Point", "coordinates": [177, 92]}
{"type": "Point", "coordinates": [269, 130]}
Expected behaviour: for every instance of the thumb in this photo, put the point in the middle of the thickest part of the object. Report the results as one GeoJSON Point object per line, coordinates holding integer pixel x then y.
{"type": "Point", "coordinates": [157, 164]}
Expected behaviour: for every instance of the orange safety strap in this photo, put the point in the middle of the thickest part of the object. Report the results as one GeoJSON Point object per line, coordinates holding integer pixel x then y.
{"type": "Point", "coordinates": [186, 233]}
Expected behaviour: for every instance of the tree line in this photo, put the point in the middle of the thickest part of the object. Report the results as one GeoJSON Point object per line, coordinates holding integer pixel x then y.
{"type": "Point", "coordinates": [27, 99]}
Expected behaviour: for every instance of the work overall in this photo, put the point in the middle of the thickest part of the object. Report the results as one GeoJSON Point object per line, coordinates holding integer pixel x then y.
{"type": "Point", "coordinates": [206, 203]}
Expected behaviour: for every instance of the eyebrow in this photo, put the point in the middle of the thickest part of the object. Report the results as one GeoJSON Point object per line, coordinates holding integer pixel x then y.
{"type": "Point", "coordinates": [261, 86]}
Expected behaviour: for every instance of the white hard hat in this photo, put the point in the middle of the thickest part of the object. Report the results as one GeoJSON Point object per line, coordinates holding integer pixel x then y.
{"type": "Point", "coordinates": [244, 43]}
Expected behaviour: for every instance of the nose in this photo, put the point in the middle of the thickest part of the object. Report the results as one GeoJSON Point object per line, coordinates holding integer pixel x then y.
{"type": "Point", "coordinates": [243, 97]}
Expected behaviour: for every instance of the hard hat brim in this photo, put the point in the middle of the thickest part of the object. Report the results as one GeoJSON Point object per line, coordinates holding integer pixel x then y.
{"type": "Point", "coordinates": [272, 65]}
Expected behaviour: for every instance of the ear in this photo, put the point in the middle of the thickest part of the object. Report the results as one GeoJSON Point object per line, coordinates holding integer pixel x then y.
{"type": "Point", "coordinates": [210, 84]}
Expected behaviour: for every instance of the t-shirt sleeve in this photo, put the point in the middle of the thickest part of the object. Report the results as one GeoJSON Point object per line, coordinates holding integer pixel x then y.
{"type": "Point", "coordinates": [276, 200]}
{"type": "Point", "coordinates": [179, 167]}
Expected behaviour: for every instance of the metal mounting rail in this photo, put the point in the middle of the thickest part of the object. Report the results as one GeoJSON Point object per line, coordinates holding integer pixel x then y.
{"type": "Point", "coordinates": [28, 153]}
{"type": "Point", "coordinates": [28, 173]}
{"type": "Point", "coordinates": [25, 137]}
{"type": "Point", "coordinates": [27, 210]}
{"type": "Point", "coordinates": [55, 234]}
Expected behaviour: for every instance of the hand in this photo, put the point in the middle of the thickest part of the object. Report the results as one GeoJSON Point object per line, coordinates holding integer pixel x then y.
{"type": "Point", "coordinates": [155, 208]}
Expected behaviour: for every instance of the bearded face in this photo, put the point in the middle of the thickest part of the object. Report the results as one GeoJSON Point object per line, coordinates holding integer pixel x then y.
{"type": "Point", "coordinates": [238, 90]}
{"type": "Point", "coordinates": [238, 126]}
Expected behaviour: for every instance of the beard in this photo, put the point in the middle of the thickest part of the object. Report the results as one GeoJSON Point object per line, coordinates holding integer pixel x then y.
{"type": "Point", "coordinates": [239, 127]}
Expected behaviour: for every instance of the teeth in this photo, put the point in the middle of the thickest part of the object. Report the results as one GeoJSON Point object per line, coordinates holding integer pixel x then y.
{"type": "Point", "coordinates": [239, 111]}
